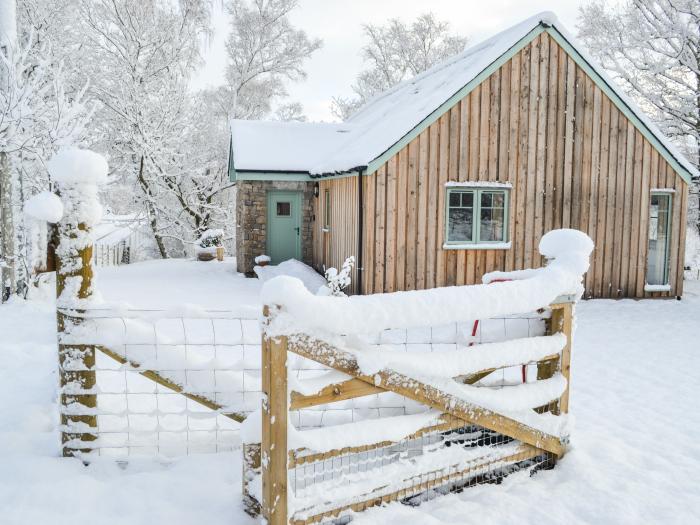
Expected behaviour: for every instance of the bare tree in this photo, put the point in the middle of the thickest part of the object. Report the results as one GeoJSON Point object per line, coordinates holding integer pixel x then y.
{"type": "Point", "coordinates": [397, 51]}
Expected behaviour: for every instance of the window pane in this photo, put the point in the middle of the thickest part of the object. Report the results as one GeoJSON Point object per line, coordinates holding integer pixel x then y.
{"type": "Point", "coordinates": [659, 233]}
{"type": "Point", "coordinates": [498, 199]}
{"type": "Point", "coordinates": [491, 227]}
{"type": "Point", "coordinates": [284, 209]}
{"type": "Point", "coordinates": [467, 199]}
{"type": "Point", "coordinates": [454, 198]}
{"type": "Point", "coordinates": [460, 224]}
{"type": "Point", "coordinates": [486, 200]}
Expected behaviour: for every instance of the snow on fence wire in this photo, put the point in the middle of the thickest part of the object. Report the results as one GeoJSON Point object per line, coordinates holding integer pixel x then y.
{"type": "Point", "coordinates": [167, 382]}
{"type": "Point", "coordinates": [471, 414]}
{"type": "Point", "coordinates": [178, 382]}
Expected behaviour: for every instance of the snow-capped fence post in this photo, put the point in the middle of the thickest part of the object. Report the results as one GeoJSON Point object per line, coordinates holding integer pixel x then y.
{"type": "Point", "coordinates": [275, 407]}
{"type": "Point", "coordinates": [78, 173]}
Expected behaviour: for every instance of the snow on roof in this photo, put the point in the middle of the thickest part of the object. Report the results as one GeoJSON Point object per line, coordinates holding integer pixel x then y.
{"type": "Point", "coordinates": [323, 148]}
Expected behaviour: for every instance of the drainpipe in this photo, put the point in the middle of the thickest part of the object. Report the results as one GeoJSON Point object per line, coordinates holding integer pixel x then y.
{"type": "Point", "coordinates": [360, 229]}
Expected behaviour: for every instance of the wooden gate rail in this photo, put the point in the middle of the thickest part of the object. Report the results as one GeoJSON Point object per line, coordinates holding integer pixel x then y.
{"type": "Point", "coordinates": [416, 390]}
{"type": "Point", "coordinates": [273, 458]}
{"type": "Point", "coordinates": [172, 385]}
{"type": "Point", "coordinates": [523, 453]}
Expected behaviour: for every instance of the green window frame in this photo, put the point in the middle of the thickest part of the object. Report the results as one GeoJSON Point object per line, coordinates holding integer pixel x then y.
{"type": "Point", "coordinates": [327, 210]}
{"type": "Point", "coordinates": [659, 238]}
{"type": "Point", "coordinates": [476, 217]}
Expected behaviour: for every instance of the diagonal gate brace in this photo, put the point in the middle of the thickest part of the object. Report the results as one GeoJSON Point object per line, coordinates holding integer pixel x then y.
{"type": "Point", "coordinates": [411, 388]}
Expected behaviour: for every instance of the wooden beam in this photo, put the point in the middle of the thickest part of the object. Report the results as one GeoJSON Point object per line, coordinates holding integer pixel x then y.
{"type": "Point", "coordinates": [164, 381]}
{"type": "Point", "coordinates": [524, 453]}
{"type": "Point", "coordinates": [274, 430]}
{"type": "Point", "coordinates": [350, 389]}
{"type": "Point", "coordinates": [447, 423]}
{"type": "Point", "coordinates": [411, 388]}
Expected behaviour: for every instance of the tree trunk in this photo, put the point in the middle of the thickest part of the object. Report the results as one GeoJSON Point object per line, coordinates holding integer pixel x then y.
{"type": "Point", "coordinates": [153, 223]}
{"type": "Point", "coordinates": [7, 236]}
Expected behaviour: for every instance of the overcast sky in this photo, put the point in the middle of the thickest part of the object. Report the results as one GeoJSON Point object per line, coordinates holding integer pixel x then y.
{"type": "Point", "coordinates": [332, 69]}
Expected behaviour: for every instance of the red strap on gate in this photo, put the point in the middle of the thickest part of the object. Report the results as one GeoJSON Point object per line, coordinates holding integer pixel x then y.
{"type": "Point", "coordinates": [475, 328]}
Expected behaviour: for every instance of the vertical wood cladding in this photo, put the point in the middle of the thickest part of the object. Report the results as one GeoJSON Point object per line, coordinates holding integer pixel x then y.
{"type": "Point", "coordinates": [572, 158]}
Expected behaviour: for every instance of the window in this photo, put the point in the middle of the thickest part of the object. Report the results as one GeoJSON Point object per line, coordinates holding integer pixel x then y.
{"type": "Point", "coordinates": [284, 209]}
{"type": "Point", "coordinates": [476, 216]}
{"type": "Point", "coordinates": [659, 235]}
{"type": "Point", "coordinates": [327, 210]}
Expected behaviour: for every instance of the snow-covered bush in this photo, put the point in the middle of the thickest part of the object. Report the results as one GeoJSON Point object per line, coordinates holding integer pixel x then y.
{"type": "Point", "coordinates": [337, 281]}
{"type": "Point", "coordinates": [263, 259]}
{"type": "Point", "coordinates": [209, 241]}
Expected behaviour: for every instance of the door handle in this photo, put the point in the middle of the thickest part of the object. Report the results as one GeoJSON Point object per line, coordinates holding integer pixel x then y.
{"type": "Point", "coordinates": [297, 229]}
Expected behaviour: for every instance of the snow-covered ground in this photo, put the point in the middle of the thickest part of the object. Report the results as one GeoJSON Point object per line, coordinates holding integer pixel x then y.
{"type": "Point", "coordinates": [635, 449]}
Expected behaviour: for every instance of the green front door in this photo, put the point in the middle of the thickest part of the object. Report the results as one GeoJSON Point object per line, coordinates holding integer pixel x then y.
{"type": "Point", "coordinates": [283, 225]}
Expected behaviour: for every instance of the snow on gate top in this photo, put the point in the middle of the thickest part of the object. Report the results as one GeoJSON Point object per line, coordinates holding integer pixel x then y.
{"type": "Point", "coordinates": [568, 252]}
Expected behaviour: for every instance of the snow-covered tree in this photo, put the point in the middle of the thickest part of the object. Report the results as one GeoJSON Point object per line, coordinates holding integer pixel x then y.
{"type": "Point", "coordinates": [264, 50]}
{"type": "Point", "coordinates": [652, 47]}
{"type": "Point", "coordinates": [37, 116]}
{"type": "Point", "coordinates": [140, 55]}
{"type": "Point", "coordinates": [397, 51]}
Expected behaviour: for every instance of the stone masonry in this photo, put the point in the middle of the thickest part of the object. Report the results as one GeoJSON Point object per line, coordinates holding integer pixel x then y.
{"type": "Point", "coordinates": [251, 219]}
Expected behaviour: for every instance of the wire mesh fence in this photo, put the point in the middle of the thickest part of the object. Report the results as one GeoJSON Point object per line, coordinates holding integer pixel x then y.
{"type": "Point", "coordinates": [178, 382]}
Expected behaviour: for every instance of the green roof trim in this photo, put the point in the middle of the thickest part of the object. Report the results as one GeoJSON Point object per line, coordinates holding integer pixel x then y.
{"type": "Point", "coordinates": [486, 73]}
{"type": "Point", "coordinates": [272, 175]}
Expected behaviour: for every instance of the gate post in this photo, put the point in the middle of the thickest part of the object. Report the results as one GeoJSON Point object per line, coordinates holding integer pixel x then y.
{"type": "Point", "coordinates": [77, 174]}
{"type": "Point", "coordinates": [561, 321]}
{"type": "Point", "coordinates": [275, 408]}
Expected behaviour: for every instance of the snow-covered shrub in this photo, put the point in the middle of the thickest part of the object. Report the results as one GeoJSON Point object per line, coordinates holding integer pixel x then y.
{"type": "Point", "coordinates": [209, 242]}
{"type": "Point", "coordinates": [263, 259]}
{"type": "Point", "coordinates": [337, 281]}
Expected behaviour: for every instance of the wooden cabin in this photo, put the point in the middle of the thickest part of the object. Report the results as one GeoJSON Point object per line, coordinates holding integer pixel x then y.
{"type": "Point", "coordinates": [461, 170]}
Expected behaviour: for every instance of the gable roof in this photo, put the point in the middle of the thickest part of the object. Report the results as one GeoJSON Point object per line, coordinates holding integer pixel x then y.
{"type": "Point", "coordinates": [393, 118]}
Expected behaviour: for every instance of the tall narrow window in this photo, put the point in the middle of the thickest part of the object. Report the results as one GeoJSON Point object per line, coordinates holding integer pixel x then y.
{"type": "Point", "coordinates": [327, 211]}
{"type": "Point", "coordinates": [659, 237]}
{"type": "Point", "coordinates": [476, 216]}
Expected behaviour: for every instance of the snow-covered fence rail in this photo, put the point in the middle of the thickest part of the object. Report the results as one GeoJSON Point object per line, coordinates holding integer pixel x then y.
{"type": "Point", "coordinates": [483, 415]}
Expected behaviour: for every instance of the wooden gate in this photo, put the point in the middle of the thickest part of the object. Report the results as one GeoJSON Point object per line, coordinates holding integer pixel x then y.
{"type": "Point", "coordinates": [486, 444]}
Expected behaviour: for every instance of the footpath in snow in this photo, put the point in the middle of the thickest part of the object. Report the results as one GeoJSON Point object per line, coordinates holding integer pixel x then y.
{"type": "Point", "coordinates": [634, 456]}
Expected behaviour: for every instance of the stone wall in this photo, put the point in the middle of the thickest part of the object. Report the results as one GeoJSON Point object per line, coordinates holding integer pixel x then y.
{"type": "Point", "coordinates": [251, 219]}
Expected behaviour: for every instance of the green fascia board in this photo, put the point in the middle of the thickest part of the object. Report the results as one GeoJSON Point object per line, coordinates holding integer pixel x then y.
{"type": "Point", "coordinates": [272, 176]}
{"type": "Point", "coordinates": [486, 73]}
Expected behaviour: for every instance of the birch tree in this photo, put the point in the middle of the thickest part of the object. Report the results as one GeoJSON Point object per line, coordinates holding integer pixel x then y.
{"type": "Point", "coordinates": [265, 51]}
{"type": "Point", "coordinates": [397, 51]}
{"type": "Point", "coordinates": [652, 47]}
{"type": "Point", "coordinates": [140, 55]}
{"type": "Point", "coordinates": [37, 116]}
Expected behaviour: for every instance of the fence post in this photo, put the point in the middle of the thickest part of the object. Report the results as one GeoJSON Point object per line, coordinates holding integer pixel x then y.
{"type": "Point", "coordinates": [565, 322]}
{"type": "Point", "coordinates": [561, 321]}
{"type": "Point", "coordinates": [275, 407]}
{"type": "Point", "coordinates": [78, 174]}
{"type": "Point", "coordinates": [76, 361]}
